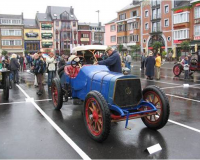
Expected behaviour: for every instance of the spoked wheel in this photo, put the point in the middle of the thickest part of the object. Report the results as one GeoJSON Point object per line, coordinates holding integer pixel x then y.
{"type": "Point", "coordinates": [157, 97]}
{"type": "Point", "coordinates": [6, 89]}
{"type": "Point", "coordinates": [97, 116]}
{"type": "Point", "coordinates": [177, 69]}
{"type": "Point", "coordinates": [56, 92]}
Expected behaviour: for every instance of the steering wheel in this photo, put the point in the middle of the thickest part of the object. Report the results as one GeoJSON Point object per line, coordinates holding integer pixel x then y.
{"type": "Point", "coordinates": [82, 60]}
{"type": "Point", "coordinates": [193, 62]}
{"type": "Point", "coordinates": [75, 63]}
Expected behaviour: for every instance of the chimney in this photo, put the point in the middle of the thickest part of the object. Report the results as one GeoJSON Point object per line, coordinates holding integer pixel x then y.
{"type": "Point", "coordinates": [71, 10]}
{"type": "Point", "coordinates": [22, 15]}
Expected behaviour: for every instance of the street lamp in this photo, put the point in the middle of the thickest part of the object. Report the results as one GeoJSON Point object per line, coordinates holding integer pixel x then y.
{"type": "Point", "coordinates": [98, 25]}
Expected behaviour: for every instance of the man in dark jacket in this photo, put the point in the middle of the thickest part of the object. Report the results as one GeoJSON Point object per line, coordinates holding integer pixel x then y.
{"type": "Point", "coordinates": [14, 67]}
{"type": "Point", "coordinates": [21, 61]}
{"type": "Point", "coordinates": [113, 61]}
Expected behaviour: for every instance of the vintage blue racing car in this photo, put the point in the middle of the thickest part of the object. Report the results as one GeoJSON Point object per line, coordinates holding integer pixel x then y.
{"type": "Point", "coordinates": [109, 97]}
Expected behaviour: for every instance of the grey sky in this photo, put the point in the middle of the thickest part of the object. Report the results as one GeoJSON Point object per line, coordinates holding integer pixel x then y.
{"type": "Point", "coordinates": [84, 9]}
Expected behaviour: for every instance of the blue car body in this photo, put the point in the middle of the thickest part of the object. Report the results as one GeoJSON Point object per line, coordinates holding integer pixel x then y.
{"type": "Point", "coordinates": [101, 79]}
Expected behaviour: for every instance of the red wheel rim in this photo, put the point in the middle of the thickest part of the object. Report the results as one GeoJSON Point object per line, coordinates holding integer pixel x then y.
{"type": "Point", "coordinates": [54, 92]}
{"type": "Point", "coordinates": [153, 98]}
{"type": "Point", "coordinates": [94, 116]}
{"type": "Point", "coordinates": [177, 70]}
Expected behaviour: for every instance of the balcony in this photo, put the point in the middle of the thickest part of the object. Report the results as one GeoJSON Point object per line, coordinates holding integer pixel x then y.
{"type": "Point", "coordinates": [156, 17]}
{"type": "Point", "coordinates": [155, 4]}
{"type": "Point", "coordinates": [156, 30]}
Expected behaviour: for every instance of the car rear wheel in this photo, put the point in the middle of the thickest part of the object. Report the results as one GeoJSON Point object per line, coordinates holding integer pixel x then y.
{"type": "Point", "coordinates": [56, 92]}
{"type": "Point", "coordinates": [97, 116]}
{"type": "Point", "coordinates": [157, 97]}
{"type": "Point", "coordinates": [177, 69]}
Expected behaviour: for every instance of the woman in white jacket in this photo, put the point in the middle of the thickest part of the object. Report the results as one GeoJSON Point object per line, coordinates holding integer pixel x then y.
{"type": "Point", "coordinates": [51, 68]}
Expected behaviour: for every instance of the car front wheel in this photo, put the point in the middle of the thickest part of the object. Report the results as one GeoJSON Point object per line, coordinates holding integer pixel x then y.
{"type": "Point", "coordinates": [97, 116]}
{"type": "Point", "coordinates": [157, 97]}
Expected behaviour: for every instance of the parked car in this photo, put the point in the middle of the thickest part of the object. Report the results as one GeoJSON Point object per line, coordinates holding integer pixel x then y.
{"type": "Point", "coordinates": [108, 96]}
{"type": "Point", "coordinates": [193, 67]}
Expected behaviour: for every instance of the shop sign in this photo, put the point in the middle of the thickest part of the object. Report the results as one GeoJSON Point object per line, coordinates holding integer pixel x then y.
{"type": "Point", "coordinates": [197, 5]}
{"type": "Point", "coordinates": [196, 21]}
{"type": "Point", "coordinates": [178, 11]}
{"type": "Point", "coordinates": [163, 47]}
{"type": "Point", "coordinates": [177, 41]}
{"type": "Point", "coordinates": [85, 39]}
{"type": "Point", "coordinates": [150, 48]}
{"type": "Point", "coordinates": [32, 35]}
{"type": "Point", "coordinates": [197, 38]}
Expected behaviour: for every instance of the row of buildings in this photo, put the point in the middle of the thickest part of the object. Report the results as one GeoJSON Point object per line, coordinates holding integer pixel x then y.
{"type": "Point", "coordinates": [57, 30]}
{"type": "Point", "coordinates": [168, 21]}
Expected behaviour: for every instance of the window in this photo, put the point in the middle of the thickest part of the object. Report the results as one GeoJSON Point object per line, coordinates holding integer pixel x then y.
{"type": "Point", "coordinates": [11, 32]}
{"type": "Point", "coordinates": [112, 28]}
{"type": "Point", "coordinates": [11, 42]}
{"type": "Point", "coordinates": [181, 17]}
{"type": "Point", "coordinates": [197, 12]}
{"type": "Point", "coordinates": [121, 39]}
{"type": "Point", "coordinates": [113, 38]}
{"type": "Point", "coordinates": [166, 8]}
{"type": "Point", "coordinates": [135, 25]}
{"type": "Point", "coordinates": [57, 23]}
{"type": "Point", "coordinates": [166, 22]}
{"type": "Point", "coordinates": [146, 13]}
{"type": "Point", "coordinates": [146, 26]}
{"type": "Point", "coordinates": [121, 28]}
{"type": "Point", "coordinates": [11, 21]}
{"type": "Point", "coordinates": [197, 30]}
{"type": "Point", "coordinates": [133, 38]}
{"type": "Point", "coordinates": [122, 16]}
{"type": "Point", "coordinates": [84, 35]}
{"type": "Point", "coordinates": [168, 39]}
{"type": "Point", "coordinates": [134, 13]}
{"type": "Point", "coordinates": [74, 24]}
{"type": "Point", "coordinates": [130, 26]}
{"type": "Point", "coordinates": [156, 27]}
{"type": "Point", "coordinates": [156, 13]}
{"type": "Point", "coordinates": [181, 34]}
{"type": "Point", "coordinates": [144, 41]}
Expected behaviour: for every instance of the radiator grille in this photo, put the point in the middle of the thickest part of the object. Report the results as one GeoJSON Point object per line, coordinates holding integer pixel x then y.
{"type": "Point", "coordinates": [127, 92]}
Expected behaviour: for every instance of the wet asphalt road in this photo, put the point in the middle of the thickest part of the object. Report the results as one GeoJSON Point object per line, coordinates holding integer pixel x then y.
{"type": "Point", "coordinates": [25, 133]}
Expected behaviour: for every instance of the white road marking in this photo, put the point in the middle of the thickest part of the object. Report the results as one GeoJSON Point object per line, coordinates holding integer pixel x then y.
{"type": "Point", "coordinates": [143, 79]}
{"type": "Point", "coordinates": [41, 100]}
{"type": "Point", "coordinates": [183, 98]}
{"type": "Point", "coordinates": [58, 129]}
{"type": "Point", "coordinates": [185, 126]}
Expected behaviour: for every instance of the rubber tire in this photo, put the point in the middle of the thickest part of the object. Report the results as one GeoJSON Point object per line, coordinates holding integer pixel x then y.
{"type": "Point", "coordinates": [6, 89]}
{"type": "Point", "coordinates": [165, 112]}
{"type": "Point", "coordinates": [181, 69]}
{"type": "Point", "coordinates": [106, 116]}
{"type": "Point", "coordinates": [57, 84]}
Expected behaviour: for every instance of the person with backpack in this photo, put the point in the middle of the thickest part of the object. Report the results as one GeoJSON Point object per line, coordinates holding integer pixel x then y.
{"type": "Point", "coordinates": [38, 69]}
{"type": "Point", "coordinates": [51, 68]}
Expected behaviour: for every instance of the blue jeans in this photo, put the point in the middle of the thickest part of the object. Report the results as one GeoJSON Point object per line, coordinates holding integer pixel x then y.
{"type": "Point", "coordinates": [51, 75]}
{"type": "Point", "coordinates": [128, 65]}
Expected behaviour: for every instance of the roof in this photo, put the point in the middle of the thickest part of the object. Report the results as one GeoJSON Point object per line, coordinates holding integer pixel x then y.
{"type": "Point", "coordinates": [30, 23]}
{"type": "Point", "coordinates": [132, 5]}
{"type": "Point", "coordinates": [113, 21]}
{"type": "Point", "coordinates": [89, 47]}
{"type": "Point", "coordinates": [56, 10]}
{"type": "Point", "coordinates": [43, 17]}
{"type": "Point", "coordinates": [11, 16]}
{"type": "Point", "coordinates": [178, 3]}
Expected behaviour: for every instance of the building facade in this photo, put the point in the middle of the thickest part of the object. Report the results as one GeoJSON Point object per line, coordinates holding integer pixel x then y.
{"type": "Point", "coordinates": [128, 25]}
{"type": "Point", "coordinates": [111, 34]}
{"type": "Point", "coordinates": [97, 34]}
{"type": "Point", "coordinates": [84, 34]}
{"type": "Point", "coordinates": [11, 33]}
{"type": "Point", "coordinates": [31, 36]}
{"type": "Point", "coordinates": [65, 28]}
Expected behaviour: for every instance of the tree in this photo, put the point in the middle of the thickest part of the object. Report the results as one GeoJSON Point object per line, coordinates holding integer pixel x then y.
{"type": "Point", "coordinates": [185, 46]}
{"type": "Point", "coordinates": [156, 45]}
{"type": "Point", "coordinates": [120, 47]}
{"type": "Point", "coordinates": [134, 48]}
{"type": "Point", "coordinates": [4, 52]}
